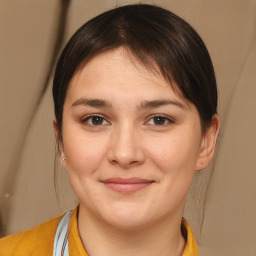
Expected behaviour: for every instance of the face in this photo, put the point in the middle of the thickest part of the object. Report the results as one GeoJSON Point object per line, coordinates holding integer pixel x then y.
{"type": "Point", "coordinates": [132, 146]}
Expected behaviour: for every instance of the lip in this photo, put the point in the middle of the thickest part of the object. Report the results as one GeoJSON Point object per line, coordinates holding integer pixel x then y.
{"type": "Point", "coordinates": [127, 186]}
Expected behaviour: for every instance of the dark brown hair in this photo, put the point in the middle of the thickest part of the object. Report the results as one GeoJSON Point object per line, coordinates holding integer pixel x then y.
{"type": "Point", "coordinates": [159, 39]}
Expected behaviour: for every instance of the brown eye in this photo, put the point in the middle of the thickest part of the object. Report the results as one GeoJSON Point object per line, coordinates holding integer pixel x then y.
{"type": "Point", "coordinates": [159, 120]}
{"type": "Point", "coordinates": [97, 120]}
{"type": "Point", "coordinates": [94, 120]}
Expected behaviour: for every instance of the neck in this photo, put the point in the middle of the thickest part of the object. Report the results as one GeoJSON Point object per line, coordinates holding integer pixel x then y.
{"type": "Point", "coordinates": [161, 238]}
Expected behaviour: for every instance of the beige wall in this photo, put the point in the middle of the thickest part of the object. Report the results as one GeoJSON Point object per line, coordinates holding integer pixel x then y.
{"type": "Point", "coordinates": [33, 33]}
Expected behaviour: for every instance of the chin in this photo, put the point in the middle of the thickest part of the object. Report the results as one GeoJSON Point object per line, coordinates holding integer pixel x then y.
{"type": "Point", "coordinates": [126, 217]}
{"type": "Point", "coordinates": [127, 222]}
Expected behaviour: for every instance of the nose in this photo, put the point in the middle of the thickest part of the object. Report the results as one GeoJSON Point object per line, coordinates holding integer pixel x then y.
{"type": "Point", "coordinates": [126, 149]}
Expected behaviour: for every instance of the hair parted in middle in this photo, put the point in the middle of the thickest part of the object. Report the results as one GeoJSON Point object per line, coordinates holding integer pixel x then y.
{"type": "Point", "coordinates": [158, 39]}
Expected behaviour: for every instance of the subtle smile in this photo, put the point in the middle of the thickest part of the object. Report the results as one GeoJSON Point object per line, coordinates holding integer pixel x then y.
{"type": "Point", "coordinates": [127, 186]}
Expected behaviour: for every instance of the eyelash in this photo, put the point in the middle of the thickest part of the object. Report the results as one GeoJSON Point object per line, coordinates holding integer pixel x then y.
{"type": "Point", "coordinates": [87, 118]}
{"type": "Point", "coordinates": [166, 119]}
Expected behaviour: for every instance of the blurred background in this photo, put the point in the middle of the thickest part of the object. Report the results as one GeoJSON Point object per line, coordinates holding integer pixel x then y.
{"type": "Point", "coordinates": [221, 206]}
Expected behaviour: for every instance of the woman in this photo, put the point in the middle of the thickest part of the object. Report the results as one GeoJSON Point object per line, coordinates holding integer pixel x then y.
{"type": "Point", "coordinates": [135, 104]}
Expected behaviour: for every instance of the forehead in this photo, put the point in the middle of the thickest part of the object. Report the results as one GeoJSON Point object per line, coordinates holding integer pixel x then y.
{"type": "Point", "coordinates": [120, 71]}
{"type": "Point", "coordinates": [116, 61]}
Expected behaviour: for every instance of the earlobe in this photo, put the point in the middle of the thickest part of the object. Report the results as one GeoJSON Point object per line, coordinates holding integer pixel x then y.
{"type": "Point", "coordinates": [208, 144]}
{"type": "Point", "coordinates": [63, 160]}
{"type": "Point", "coordinates": [59, 144]}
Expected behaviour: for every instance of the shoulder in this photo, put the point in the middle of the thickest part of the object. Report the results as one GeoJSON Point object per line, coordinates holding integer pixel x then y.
{"type": "Point", "coordinates": [36, 241]}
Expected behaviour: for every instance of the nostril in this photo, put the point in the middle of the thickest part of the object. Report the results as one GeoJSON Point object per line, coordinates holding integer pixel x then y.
{"type": "Point", "coordinates": [125, 149]}
{"type": "Point", "coordinates": [134, 163]}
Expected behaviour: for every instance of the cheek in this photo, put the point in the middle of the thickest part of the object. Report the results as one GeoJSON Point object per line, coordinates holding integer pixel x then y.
{"type": "Point", "coordinates": [84, 153]}
{"type": "Point", "coordinates": [177, 153]}
{"type": "Point", "coordinates": [175, 157]}
{"type": "Point", "coordinates": [84, 156]}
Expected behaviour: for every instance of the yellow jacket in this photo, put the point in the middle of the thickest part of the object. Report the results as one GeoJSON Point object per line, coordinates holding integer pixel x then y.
{"type": "Point", "coordinates": [39, 240]}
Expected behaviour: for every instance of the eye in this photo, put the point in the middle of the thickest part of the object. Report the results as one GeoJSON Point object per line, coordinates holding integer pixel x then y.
{"type": "Point", "coordinates": [160, 120]}
{"type": "Point", "coordinates": [95, 120]}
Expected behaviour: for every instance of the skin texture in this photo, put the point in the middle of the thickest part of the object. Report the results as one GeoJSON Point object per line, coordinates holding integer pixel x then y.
{"type": "Point", "coordinates": [154, 158]}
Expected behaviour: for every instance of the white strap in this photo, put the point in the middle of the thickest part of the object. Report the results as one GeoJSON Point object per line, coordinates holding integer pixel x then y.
{"type": "Point", "coordinates": [61, 237]}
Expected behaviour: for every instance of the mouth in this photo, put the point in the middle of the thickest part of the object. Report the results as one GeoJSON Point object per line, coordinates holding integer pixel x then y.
{"type": "Point", "coordinates": [127, 186]}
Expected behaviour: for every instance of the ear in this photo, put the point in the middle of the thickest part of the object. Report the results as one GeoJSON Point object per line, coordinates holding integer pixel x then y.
{"type": "Point", "coordinates": [208, 143]}
{"type": "Point", "coordinates": [60, 144]}
{"type": "Point", "coordinates": [56, 130]}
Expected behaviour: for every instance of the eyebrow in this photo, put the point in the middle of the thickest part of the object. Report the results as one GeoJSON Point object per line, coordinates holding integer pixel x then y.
{"type": "Point", "coordinates": [158, 103]}
{"type": "Point", "coordinates": [92, 103]}
{"type": "Point", "coordinates": [148, 104]}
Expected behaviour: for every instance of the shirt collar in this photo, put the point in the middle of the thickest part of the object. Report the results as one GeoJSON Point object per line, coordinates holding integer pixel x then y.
{"type": "Point", "coordinates": [77, 248]}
